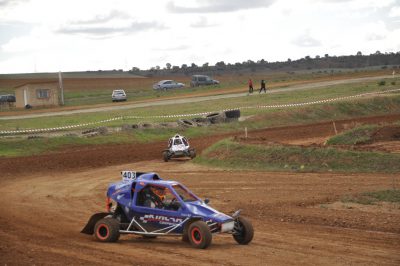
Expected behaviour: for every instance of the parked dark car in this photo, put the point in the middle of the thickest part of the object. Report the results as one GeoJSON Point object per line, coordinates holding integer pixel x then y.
{"type": "Point", "coordinates": [202, 80]}
{"type": "Point", "coordinates": [8, 98]}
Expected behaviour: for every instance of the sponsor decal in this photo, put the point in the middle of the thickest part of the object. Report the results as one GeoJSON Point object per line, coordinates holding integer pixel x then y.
{"type": "Point", "coordinates": [121, 185]}
{"type": "Point", "coordinates": [161, 219]}
{"type": "Point", "coordinates": [117, 192]}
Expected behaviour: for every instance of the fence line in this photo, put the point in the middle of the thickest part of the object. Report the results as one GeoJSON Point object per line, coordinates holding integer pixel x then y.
{"type": "Point", "coordinates": [43, 130]}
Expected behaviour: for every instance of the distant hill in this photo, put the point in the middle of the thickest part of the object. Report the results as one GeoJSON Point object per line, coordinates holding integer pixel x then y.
{"type": "Point", "coordinates": [73, 75]}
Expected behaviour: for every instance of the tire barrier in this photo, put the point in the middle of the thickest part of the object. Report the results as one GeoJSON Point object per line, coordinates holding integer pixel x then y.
{"type": "Point", "coordinates": [217, 117]}
{"type": "Point", "coordinates": [232, 114]}
{"type": "Point", "coordinates": [212, 116]}
{"type": "Point", "coordinates": [201, 121]}
{"type": "Point", "coordinates": [186, 123]}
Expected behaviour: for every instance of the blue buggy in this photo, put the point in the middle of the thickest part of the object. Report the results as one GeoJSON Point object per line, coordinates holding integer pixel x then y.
{"type": "Point", "coordinates": [144, 204]}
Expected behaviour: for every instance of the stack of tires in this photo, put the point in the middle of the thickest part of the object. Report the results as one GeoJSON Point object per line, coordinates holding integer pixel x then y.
{"type": "Point", "coordinates": [232, 115]}
{"type": "Point", "coordinates": [223, 117]}
{"type": "Point", "coordinates": [213, 118]}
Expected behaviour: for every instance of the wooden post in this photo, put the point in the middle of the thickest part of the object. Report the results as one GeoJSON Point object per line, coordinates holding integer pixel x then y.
{"type": "Point", "coordinates": [245, 132]}
{"type": "Point", "coordinates": [60, 83]}
{"type": "Point", "coordinates": [334, 127]}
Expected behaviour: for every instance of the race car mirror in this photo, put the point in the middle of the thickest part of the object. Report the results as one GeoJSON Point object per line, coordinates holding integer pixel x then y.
{"type": "Point", "coordinates": [128, 175]}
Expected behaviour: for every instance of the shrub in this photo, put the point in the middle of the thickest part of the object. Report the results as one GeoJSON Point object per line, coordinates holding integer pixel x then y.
{"type": "Point", "coordinates": [382, 83]}
{"type": "Point", "coordinates": [353, 136]}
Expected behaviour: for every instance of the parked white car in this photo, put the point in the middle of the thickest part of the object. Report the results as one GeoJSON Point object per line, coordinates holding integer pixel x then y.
{"type": "Point", "coordinates": [167, 84]}
{"type": "Point", "coordinates": [118, 95]}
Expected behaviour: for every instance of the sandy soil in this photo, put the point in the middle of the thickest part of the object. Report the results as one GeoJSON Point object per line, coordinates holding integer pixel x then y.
{"type": "Point", "coordinates": [47, 199]}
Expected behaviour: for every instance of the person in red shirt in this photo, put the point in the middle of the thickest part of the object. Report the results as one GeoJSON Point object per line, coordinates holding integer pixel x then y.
{"type": "Point", "coordinates": [250, 86]}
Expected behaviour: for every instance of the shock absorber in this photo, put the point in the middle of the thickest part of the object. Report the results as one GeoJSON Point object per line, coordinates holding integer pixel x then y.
{"type": "Point", "coordinates": [108, 204]}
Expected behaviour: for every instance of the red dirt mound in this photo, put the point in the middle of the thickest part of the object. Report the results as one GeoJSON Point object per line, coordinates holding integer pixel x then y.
{"type": "Point", "coordinates": [387, 133]}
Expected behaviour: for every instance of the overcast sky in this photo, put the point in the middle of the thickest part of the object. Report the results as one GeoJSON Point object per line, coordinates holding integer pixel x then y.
{"type": "Point", "coordinates": [72, 35]}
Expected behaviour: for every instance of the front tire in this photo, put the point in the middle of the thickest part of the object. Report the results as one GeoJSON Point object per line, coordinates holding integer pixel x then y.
{"type": "Point", "coordinates": [199, 235]}
{"type": "Point", "coordinates": [243, 231]}
{"type": "Point", "coordinates": [192, 154]}
{"type": "Point", "coordinates": [107, 230]}
{"type": "Point", "coordinates": [165, 156]}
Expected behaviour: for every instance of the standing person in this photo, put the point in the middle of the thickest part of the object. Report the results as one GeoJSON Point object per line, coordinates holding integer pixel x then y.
{"type": "Point", "coordinates": [250, 86]}
{"type": "Point", "coordinates": [263, 87]}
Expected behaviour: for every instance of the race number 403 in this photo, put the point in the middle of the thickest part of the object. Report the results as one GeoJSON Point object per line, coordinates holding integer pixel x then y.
{"type": "Point", "coordinates": [128, 175]}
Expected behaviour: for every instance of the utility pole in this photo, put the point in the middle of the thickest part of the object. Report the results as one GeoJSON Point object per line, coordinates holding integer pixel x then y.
{"type": "Point", "coordinates": [60, 83]}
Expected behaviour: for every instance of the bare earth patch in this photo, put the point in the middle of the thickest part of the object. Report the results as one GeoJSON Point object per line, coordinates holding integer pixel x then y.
{"type": "Point", "coordinates": [380, 207]}
{"type": "Point", "coordinates": [47, 200]}
{"type": "Point", "coordinates": [43, 214]}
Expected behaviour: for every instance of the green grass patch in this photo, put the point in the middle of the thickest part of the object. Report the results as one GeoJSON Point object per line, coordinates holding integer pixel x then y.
{"type": "Point", "coordinates": [354, 136]}
{"type": "Point", "coordinates": [94, 88]}
{"type": "Point", "coordinates": [271, 118]}
{"type": "Point", "coordinates": [343, 109]}
{"type": "Point", "coordinates": [233, 155]}
{"type": "Point", "coordinates": [27, 147]}
{"type": "Point", "coordinates": [369, 198]}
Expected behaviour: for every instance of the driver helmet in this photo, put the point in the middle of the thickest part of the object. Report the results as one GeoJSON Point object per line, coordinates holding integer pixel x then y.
{"type": "Point", "coordinates": [159, 191]}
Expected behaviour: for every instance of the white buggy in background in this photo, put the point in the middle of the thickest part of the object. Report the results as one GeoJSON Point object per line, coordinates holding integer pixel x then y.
{"type": "Point", "coordinates": [178, 146]}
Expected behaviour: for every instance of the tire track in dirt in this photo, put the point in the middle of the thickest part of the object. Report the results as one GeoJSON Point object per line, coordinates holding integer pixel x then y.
{"type": "Point", "coordinates": [43, 214]}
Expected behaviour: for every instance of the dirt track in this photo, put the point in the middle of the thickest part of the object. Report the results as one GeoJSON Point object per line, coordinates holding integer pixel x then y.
{"type": "Point", "coordinates": [46, 202]}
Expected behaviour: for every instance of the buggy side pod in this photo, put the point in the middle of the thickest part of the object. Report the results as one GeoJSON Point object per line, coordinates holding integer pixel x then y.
{"type": "Point", "coordinates": [89, 227]}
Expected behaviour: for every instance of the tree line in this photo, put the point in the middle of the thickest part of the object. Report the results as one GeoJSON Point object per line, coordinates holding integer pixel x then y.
{"type": "Point", "coordinates": [385, 60]}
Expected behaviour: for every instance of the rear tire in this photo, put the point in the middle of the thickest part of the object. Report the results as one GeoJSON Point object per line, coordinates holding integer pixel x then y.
{"type": "Point", "coordinates": [107, 230]}
{"type": "Point", "coordinates": [199, 235]}
{"type": "Point", "coordinates": [192, 154]}
{"type": "Point", "coordinates": [244, 231]}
